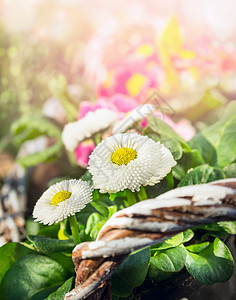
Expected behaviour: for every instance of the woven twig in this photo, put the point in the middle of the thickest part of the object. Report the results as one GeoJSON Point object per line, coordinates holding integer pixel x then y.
{"type": "Point", "coordinates": [147, 223]}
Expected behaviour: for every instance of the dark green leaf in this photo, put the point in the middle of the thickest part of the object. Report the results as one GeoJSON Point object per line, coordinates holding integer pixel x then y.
{"type": "Point", "coordinates": [49, 231]}
{"type": "Point", "coordinates": [202, 174]}
{"type": "Point", "coordinates": [30, 275]}
{"type": "Point", "coordinates": [63, 259]}
{"type": "Point", "coordinates": [167, 261]}
{"type": "Point", "coordinates": [9, 255]}
{"type": "Point", "coordinates": [59, 294]}
{"type": "Point", "coordinates": [130, 273]}
{"type": "Point", "coordinates": [211, 265]}
{"type": "Point", "coordinates": [48, 245]}
{"type": "Point", "coordinates": [207, 151]}
{"type": "Point", "coordinates": [158, 189]}
{"type": "Point", "coordinates": [189, 160]}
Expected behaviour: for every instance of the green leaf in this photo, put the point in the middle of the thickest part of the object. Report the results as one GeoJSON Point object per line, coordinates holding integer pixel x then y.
{"type": "Point", "coordinates": [32, 227]}
{"type": "Point", "coordinates": [30, 127]}
{"type": "Point", "coordinates": [49, 231]}
{"type": "Point", "coordinates": [30, 276]}
{"type": "Point", "coordinates": [222, 136]}
{"type": "Point", "coordinates": [48, 245]}
{"type": "Point", "coordinates": [130, 273]}
{"type": "Point", "coordinates": [174, 146]}
{"type": "Point", "coordinates": [93, 219]}
{"type": "Point", "coordinates": [207, 151]}
{"type": "Point", "coordinates": [94, 232]}
{"type": "Point", "coordinates": [213, 264]}
{"type": "Point", "coordinates": [9, 255]}
{"type": "Point", "coordinates": [188, 161]}
{"type": "Point", "coordinates": [59, 294]}
{"type": "Point", "coordinates": [229, 227]}
{"type": "Point", "coordinates": [230, 171]}
{"type": "Point", "coordinates": [50, 154]}
{"type": "Point", "coordinates": [159, 188]}
{"type": "Point", "coordinates": [175, 241]}
{"type": "Point", "coordinates": [63, 259]}
{"type": "Point", "coordinates": [165, 262]}
{"type": "Point", "coordinates": [202, 174]}
{"type": "Point", "coordinates": [100, 206]}
{"type": "Point", "coordinates": [196, 248]}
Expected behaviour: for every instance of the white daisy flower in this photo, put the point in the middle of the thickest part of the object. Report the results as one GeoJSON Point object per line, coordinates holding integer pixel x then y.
{"type": "Point", "coordinates": [62, 200]}
{"type": "Point", "coordinates": [93, 122]}
{"type": "Point", "coordinates": [129, 161]}
{"type": "Point", "coordinates": [135, 115]}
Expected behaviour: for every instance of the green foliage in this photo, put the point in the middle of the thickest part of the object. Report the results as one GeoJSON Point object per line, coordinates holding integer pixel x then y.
{"type": "Point", "coordinates": [175, 241]}
{"type": "Point", "coordinates": [165, 262]}
{"type": "Point", "coordinates": [130, 273]}
{"type": "Point", "coordinates": [222, 136]}
{"type": "Point", "coordinates": [59, 294]}
{"type": "Point", "coordinates": [230, 171]}
{"type": "Point", "coordinates": [32, 281]}
{"type": "Point", "coordinates": [9, 255]}
{"type": "Point", "coordinates": [188, 161]}
{"type": "Point", "coordinates": [207, 151]}
{"type": "Point", "coordinates": [213, 263]}
{"type": "Point", "coordinates": [171, 143]}
{"type": "Point", "coordinates": [202, 174]}
{"type": "Point", "coordinates": [31, 127]}
{"type": "Point", "coordinates": [49, 245]}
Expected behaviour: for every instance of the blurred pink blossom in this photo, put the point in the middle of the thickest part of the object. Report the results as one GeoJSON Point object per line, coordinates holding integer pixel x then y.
{"type": "Point", "coordinates": [83, 151]}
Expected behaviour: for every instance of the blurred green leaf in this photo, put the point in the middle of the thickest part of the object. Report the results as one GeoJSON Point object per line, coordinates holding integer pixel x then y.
{"type": "Point", "coordinates": [230, 171]}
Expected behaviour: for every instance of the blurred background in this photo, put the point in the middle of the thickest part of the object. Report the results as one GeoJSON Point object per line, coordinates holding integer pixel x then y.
{"type": "Point", "coordinates": [61, 58]}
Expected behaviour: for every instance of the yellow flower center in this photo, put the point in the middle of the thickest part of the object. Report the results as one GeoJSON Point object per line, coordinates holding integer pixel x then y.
{"type": "Point", "coordinates": [60, 196]}
{"type": "Point", "coordinates": [123, 156]}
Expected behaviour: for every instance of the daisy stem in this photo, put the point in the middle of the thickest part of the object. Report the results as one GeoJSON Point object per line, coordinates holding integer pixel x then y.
{"type": "Point", "coordinates": [142, 194]}
{"type": "Point", "coordinates": [96, 139]}
{"type": "Point", "coordinates": [74, 229]}
{"type": "Point", "coordinates": [130, 198]}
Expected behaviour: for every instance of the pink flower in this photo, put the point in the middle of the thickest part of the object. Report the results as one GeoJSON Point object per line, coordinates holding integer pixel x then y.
{"type": "Point", "coordinates": [118, 103]}
{"type": "Point", "coordinates": [83, 151]}
{"type": "Point", "coordinates": [134, 77]}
